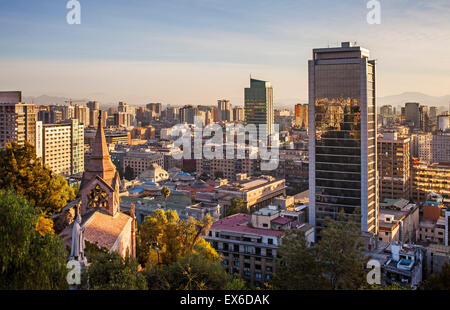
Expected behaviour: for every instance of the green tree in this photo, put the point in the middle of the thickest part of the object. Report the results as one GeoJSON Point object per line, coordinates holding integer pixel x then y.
{"type": "Point", "coordinates": [29, 259]}
{"type": "Point", "coordinates": [193, 272]}
{"type": "Point", "coordinates": [165, 191]}
{"type": "Point", "coordinates": [218, 175]}
{"type": "Point", "coordinates": [175, 238]}
{"type": "Point", "coordinates": [336, 262]}
{"type": "Point", "coordinates": [22, 172]}
{"type": "Point", "coordinates": [340, 253]}
{"type": "Point", "coordinates": [237, 206]}
{"type": "Point", "coordinates": [110, 271]}
{"type": "Point", "coordinates": [297, 266]}
{"type": "Point", "coordinates": [439, 281]}
{"type": "Point", "coordinates": [129, 173]}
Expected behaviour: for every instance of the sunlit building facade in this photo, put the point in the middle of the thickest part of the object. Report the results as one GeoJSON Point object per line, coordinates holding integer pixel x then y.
{"type": "Point", "coordinates": [259, 105]}
{"type": "Point", "coordinates": [342, 137]}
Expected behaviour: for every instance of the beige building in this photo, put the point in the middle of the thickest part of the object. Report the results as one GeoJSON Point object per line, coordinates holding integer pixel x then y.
{"type": "Point", "coordinates": [154, 174]}
{"type": "Point", "coordinates": [428, 178]}
{"type": "Point", "coordinates": [62, 147]}
{"type": "Point", "coordinates": [433, 148]}
{"type": "Point", "coordinates": [249, 243]}
{"type": "Point", "coordinates": [82, 113]}
{"type": "Point", "coordinates": [255, 192]}
{"type": "Point", "coordinates": [398, 221]}
{"type": "Point", "coordinates": [17, 120]}
{"type": "Point", "coordinates": [140, 161]}
{"type": "Point", "coordinates": [394, 166]}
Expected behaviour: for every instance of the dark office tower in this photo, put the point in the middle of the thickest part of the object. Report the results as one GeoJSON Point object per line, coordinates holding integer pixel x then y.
{"type": "Point", "coordinates": [259, 105]}
{"type": "Point", "coordinates": [342, 137]}
{"type": "Point", "coordinates": [92, 105]}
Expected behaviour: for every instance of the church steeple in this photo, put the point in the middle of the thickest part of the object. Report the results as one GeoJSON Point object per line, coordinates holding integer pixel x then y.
{"type": "Point", "coordinates": [99, 163]}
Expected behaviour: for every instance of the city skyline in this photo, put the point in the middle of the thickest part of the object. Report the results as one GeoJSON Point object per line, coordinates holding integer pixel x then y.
{"type": "Point", "coordinates": [214, 47]}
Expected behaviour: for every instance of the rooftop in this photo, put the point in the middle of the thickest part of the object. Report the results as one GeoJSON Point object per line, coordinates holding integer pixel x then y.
{"type": "Point", "coordinates": [240, 223]}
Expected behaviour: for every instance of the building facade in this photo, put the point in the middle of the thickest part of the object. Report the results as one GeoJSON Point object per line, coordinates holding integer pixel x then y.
{"type": "Point", "coordinates": [17, 119]}
{"type": "Point", "coordinates": [342, 136]}
{"type": "Point", "coordinates": [394, 166]}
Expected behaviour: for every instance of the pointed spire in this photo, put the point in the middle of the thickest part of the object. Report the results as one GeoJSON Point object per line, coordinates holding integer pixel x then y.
{"type": "Point", "coordinates": [99, 162]}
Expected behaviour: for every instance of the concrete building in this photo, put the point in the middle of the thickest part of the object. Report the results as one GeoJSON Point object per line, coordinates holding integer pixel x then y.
{"type": "Point", "coordinates": [402, 264]}
{"type": "Point", "coordinates": [224, 111]}
{"type": "Point", "coordinates": [398, 221]}
{"type": "Point", "coordinates": [342, 136]}
{"type": "Point", "coordinates": [82, 113]}
{"type": "Point", "coordinates": [141, 161]}
{"type": "Point", "coordinates": [433, 148]}
{"type": "Point", "coordinates": [17, 119]}
{"type": "Point", "coordinates": [238, 114]}
{"type": "Point", "coordinates": [394, 166]}
{"type": "Point", "coordinates": [255, 192]}
{"type": "Point", "coordinates": [427, 178]}
{"type": "Point", "coordinates": [437, 256]}
{"type": "Point", "coordinates": [249, 243]}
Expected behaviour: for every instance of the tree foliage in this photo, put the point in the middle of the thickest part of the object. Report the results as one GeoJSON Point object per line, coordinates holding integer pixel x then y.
{"type": "Point", "coordinates": [30, 257]}
{"type": "Point", "coordinates": [22, 172]}
{"type": "Point", "coordinates": [297, 267]}
{"type": "Point", "coordinates": [192, 272]}
{"type": "Point", "coordinates": [110, 271]}
{"type": "Point", "coordinates": [175, 238]}
{"type": "Point", "coordinates": [336, 262]}
{"type": "Point", "coordinates": [237, 206]}
{"type": "Point", "coordinates": [129, 173]}
{"type": "Point", "coordinates": [440, 281]}
{"type": "Point", "coordinates": [165, 191]}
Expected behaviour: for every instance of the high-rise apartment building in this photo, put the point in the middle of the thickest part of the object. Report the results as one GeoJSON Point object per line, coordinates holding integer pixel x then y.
{"type": "Point", "coordinates": [17, 119]}
{"type": "Point", "coordinates": [63, 147]}
{"type": "Point", "coordinates": [224, 111]}
{"type": "Point", "coordinates": [238, 114]}
{"type": "Point", "coordinates": [82, 114]}
{"type": "Point", "coordinates": [342, 136]}
{"type": "Point", "coordinates": [394, 166]}
{"type": "Point", "coordinates": [301, 115]}
{"type": "Point", "coordinates": [259, 106]}
{"type": "Point", "coordinates": [433, 148]}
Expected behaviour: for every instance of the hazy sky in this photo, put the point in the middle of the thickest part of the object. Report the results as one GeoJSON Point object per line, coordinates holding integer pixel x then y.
{"type": "Point", "coordinates": [197, 51]}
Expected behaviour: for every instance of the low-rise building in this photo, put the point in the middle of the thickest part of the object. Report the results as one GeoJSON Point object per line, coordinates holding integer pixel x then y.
{"type": "Point", "coordinates": [142, 160]}
{"type": "Point", "coordinates": [249, 243]}
{"type": "Point", "coordinates": [398, 221]}
{"type": "Point", "coordinates": [255, 192]}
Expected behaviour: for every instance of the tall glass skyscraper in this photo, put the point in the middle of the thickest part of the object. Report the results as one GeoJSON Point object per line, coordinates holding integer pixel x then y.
{"type": "Point", "coordinates": [259, 105]}
{"type": "Point", "coordinates": [342, 136]}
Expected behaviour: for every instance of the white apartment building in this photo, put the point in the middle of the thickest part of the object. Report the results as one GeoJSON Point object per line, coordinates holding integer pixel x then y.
{"type": "Point", "coordinates": [62, 146]}
{"type": "Point", "coordinates": [433, 148]}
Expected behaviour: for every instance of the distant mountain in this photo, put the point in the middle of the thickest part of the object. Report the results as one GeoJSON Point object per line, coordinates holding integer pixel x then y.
{"type": "Point", "coordinates": [47, 100]}
{"type": "Point", "coordinates": [401, 99]}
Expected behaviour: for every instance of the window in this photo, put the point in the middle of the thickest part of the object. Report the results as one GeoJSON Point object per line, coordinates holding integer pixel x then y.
{"type": "Point", "coordinates": [270, 241]}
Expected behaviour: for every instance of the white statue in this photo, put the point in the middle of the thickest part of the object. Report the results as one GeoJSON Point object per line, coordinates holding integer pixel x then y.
{"type": "Point", "coordinates": [77, 249]}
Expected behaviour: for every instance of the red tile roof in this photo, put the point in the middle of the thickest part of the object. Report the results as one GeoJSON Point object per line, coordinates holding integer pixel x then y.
{"type": "Point", "coordinates": [105, 229]}
{"type": "Point", "coordinates": [281, 220]}
{"type": "Point", "coordinates": [240, 223]}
